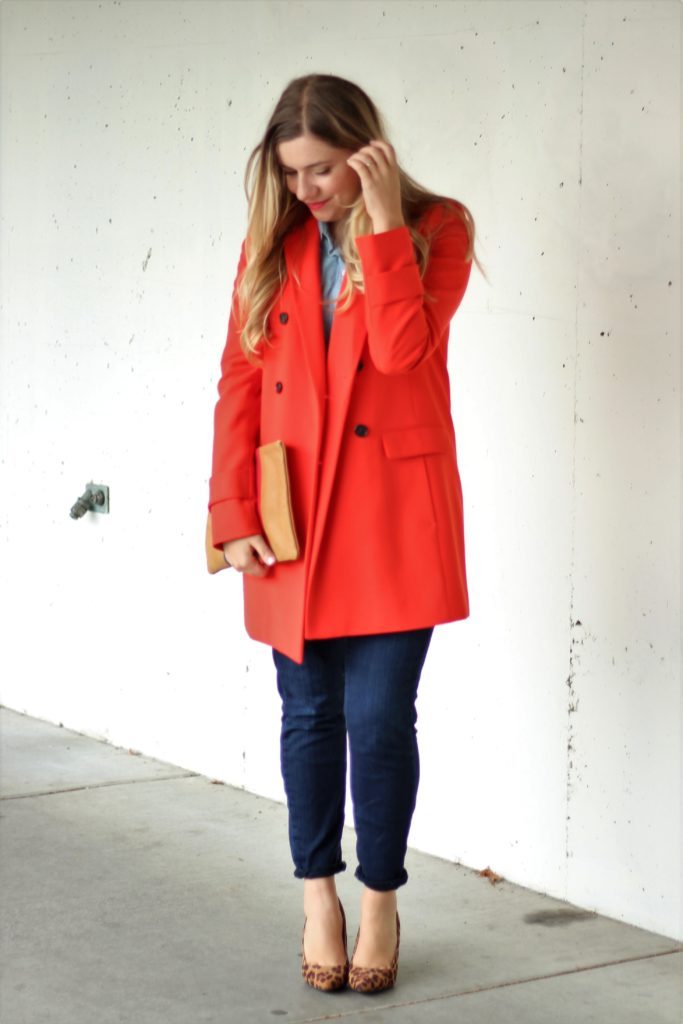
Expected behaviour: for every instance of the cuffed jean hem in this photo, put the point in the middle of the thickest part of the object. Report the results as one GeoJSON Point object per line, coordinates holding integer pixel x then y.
{"type": "Point", "coordinates": [320, 872]}
{"type": "Point", "coordinates": [382, 886]}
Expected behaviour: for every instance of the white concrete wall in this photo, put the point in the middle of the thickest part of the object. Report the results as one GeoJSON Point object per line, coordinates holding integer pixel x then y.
{"type": "Point", "coordinates": [550, 720]}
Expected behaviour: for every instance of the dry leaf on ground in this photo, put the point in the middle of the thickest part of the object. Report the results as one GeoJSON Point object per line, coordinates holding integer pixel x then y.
{"type": "Point", "coordinates": [491, 875]}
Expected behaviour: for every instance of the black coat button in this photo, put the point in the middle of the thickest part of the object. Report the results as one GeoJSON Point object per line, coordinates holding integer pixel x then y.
{"type": "Point", "coordinates": [284, 317]}
{"type": "Point", "coordinates": [361, 430]}
{"type": "Point", "coordinates": [278, 387]}
{"type": "Point", "coordinates": [360, 365]}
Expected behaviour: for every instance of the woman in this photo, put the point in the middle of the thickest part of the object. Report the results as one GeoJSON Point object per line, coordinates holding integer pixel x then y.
{"type": "Point", "coordinates": [360, 396]}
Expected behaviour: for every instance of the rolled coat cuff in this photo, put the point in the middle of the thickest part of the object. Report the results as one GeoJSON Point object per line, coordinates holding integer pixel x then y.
{"type": "Point", "coordinates": [233, 518]}
{"type": "Point", "coordinates": [390, 271]}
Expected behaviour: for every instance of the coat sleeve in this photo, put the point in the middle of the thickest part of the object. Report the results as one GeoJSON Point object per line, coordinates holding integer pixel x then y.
{"type": "Point", "coordinates": [232, 487]}
{"type": "Point", "coordinates": [404, 327]}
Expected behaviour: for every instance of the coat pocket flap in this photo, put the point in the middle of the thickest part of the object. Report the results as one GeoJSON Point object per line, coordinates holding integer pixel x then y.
{"type": "Point", "coordinates": [411, 441]}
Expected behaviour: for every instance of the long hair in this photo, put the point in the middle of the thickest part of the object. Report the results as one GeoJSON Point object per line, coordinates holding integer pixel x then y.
{"type": "Point", "coordinates": [341, 114]}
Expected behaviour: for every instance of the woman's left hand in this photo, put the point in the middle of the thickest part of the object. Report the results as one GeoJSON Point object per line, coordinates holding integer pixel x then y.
{"type": "Point", "coordinates": [377, 169]}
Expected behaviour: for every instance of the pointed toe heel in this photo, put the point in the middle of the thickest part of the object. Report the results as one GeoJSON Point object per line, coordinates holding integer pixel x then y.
{"type": "Point", "coordinates": [375, 979]}
{"type": "Point", "coordinates": [323, 977]}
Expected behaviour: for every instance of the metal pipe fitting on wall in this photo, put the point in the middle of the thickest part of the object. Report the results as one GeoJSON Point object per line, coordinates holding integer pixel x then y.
{"type": "Point", "coordinates": [95, 498]}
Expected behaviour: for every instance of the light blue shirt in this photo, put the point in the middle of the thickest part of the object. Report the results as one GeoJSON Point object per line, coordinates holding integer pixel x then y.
{"type": "Point", "coordinates": [332, 269]}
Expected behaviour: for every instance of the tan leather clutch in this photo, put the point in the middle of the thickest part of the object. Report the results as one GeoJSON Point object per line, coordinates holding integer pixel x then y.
{"type": "Point", "coordinates": [215, 559]}
{"type": "Point", "coordinates": [275, 508]}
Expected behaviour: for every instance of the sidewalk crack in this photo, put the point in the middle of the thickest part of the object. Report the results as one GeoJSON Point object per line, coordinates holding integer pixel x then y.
{"type": "Point", "coordinates": [98, 785]}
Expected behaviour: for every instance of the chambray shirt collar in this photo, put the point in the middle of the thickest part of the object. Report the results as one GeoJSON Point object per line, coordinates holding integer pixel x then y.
{"type": "Point", "coordinates": [329, 247]}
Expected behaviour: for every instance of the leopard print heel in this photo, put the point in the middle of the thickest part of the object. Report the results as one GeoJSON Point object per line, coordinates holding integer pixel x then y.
{"type": "Point", "coordinates": [324, 978]}
{"type": "Point", "coordinates": [375, 979]}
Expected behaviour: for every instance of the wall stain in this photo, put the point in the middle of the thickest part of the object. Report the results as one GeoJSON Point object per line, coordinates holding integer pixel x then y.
{"type": "Point", "coordinates": [146, 259]}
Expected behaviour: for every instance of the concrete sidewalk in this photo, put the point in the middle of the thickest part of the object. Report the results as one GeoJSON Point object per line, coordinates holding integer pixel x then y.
{"type": "Point", "coordinates": [134, 891]}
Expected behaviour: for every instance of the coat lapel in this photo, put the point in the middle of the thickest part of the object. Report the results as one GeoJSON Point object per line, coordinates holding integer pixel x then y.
{"type": "Point", "coordinates": [346, 344]}
{"type": "Point", "coordinates": [332, 374]}
{"type": "Point", "coordinates": [302, 256]}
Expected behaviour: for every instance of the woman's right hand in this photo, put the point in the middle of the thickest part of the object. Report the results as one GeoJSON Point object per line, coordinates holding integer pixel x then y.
{"type": "Point", "coordinates": [249, 554]}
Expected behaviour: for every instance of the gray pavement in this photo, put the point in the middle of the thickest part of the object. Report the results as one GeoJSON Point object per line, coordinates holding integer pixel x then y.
{"type": "Point", "coordinates": [134, 891]}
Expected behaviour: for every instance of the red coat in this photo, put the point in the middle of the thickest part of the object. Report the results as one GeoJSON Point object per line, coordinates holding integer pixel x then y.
{"type": "Point", "coordinates": [375, 486]}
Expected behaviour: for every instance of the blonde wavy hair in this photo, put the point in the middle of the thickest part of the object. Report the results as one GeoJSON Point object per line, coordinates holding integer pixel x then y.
{"type": "Point", "coordinates": [341, 114]}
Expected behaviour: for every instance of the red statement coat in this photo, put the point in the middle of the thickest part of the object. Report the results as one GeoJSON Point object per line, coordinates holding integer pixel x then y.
{"type": "Point", "coordinates": [375, 485]}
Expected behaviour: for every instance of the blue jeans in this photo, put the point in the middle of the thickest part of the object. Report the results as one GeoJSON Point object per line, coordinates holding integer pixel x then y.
{"type": "Point", "coordinates": [365, 686]}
